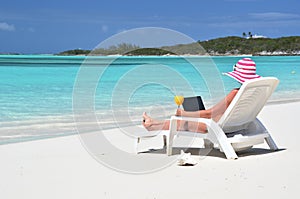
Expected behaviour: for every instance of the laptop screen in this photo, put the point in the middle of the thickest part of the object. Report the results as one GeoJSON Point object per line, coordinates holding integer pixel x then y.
{"type": "Point", "coordinates": [193, 103]}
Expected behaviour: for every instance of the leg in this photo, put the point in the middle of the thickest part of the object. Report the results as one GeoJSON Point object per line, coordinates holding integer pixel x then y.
{"type": "Point", "coordinates": [153, 125]}
{"type": "Point", "coordinates": [197, 127]}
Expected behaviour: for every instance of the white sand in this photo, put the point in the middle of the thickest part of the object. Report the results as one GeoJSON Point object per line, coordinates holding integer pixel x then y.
{"type": "Point", "coordinates": [62, 168]}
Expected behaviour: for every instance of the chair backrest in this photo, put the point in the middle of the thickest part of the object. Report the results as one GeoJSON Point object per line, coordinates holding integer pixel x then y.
{"type": "Point", "coordinates": [247, 103]}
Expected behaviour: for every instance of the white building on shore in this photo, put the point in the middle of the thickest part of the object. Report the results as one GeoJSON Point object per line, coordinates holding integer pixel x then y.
{"type": "Point", "coordinates": [257, 36]}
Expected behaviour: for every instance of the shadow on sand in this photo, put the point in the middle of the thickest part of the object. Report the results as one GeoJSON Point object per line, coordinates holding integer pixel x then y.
{"type": "Point", "coordinates": [214, 152]}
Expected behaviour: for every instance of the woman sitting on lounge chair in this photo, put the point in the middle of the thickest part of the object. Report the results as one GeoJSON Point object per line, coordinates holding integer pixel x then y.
{"type": "Point", "coordinates": [244, 70]}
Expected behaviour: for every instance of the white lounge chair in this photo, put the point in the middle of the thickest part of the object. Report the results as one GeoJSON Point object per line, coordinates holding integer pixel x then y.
{"type": "Point", "coordinates": [238, 128]}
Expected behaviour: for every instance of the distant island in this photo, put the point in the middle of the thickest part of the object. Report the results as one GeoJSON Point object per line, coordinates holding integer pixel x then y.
{"type": "Point", "coordinates": [232, 45]}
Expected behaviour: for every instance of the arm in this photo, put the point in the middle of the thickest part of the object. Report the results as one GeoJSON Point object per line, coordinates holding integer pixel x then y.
{"type": "Point", "coordinates": [215, 112]}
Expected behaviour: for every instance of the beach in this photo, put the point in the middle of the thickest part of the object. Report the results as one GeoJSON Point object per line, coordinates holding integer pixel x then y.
{"type": "Point", "coordinates": [79, 80]}
{"type": "Point", "coordinates": [61, 167]}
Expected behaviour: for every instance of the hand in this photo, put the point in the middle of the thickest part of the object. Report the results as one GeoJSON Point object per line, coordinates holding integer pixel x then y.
{"type": "Point", "coordinates": [179, 112]}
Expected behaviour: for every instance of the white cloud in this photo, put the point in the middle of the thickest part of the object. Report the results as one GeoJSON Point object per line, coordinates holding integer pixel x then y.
{"type": "Point", "coordinates": [104, 28]}
{"type": "Point", "coordinates": [6, 27]}
{"type": "Point", "coordinates": [256, 20]}
{"type": "Point", "coordinates": [31, 29]}
{"type": "Point", "coordinates": [256, 24]}
{"type": "Point", "coordinates": [274, 16]}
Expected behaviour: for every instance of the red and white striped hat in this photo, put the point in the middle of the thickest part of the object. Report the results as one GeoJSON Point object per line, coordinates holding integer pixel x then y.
{"type": "Point", "coordinates": [244, 70]}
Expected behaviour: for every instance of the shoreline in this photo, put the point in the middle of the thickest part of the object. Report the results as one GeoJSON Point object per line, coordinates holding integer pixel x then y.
{"type": "Point", "coordinates": [64, 125]}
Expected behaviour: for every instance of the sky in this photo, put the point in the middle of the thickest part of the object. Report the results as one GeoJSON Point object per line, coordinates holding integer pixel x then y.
{"type": "Point", "coordinates": [52, 26]}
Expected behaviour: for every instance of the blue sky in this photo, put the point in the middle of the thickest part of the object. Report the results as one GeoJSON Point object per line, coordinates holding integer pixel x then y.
{"type": "Point", "coordinates": [38, 26]}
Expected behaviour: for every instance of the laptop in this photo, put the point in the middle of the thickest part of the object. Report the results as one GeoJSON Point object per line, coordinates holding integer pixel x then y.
{"type": "Point", "coordinates": [193, 103]}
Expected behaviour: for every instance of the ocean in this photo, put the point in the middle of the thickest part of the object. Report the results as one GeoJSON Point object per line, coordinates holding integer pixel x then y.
{"type": "Point", "coordinates": [40, 94]}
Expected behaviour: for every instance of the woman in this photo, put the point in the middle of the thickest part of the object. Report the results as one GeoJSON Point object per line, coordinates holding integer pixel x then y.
{"type": "Point", "coordinates": [243, 70]}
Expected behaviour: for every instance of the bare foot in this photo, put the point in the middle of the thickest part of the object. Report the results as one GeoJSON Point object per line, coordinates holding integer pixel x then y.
{"type": "Point", "coordinates": [147, 121]}
{"type": "Point", "coordinates": [153, 125]}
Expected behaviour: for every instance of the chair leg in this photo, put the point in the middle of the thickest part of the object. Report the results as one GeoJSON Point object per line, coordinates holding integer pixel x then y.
{"type": "Point", "coordinates": [165, 141]}
{"type": "Point", "coordinates": [137, 145]}
{"type": "Point", "coordinates": [268, 139]}
{"type": "Point", "coordinates": [221, 138]}
{"type": "Point", "coordinates": [271, 143]}
{"type": "Point", "coordinates": [170, 137]}
{"type": "Point", "coordinates": [169, 145]}
{"type": "Point", "coordinates": [228, 150]}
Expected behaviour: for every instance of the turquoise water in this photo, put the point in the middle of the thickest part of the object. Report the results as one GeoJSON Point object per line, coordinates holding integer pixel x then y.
{"type": "Point", "coordinates": [37, 92]}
